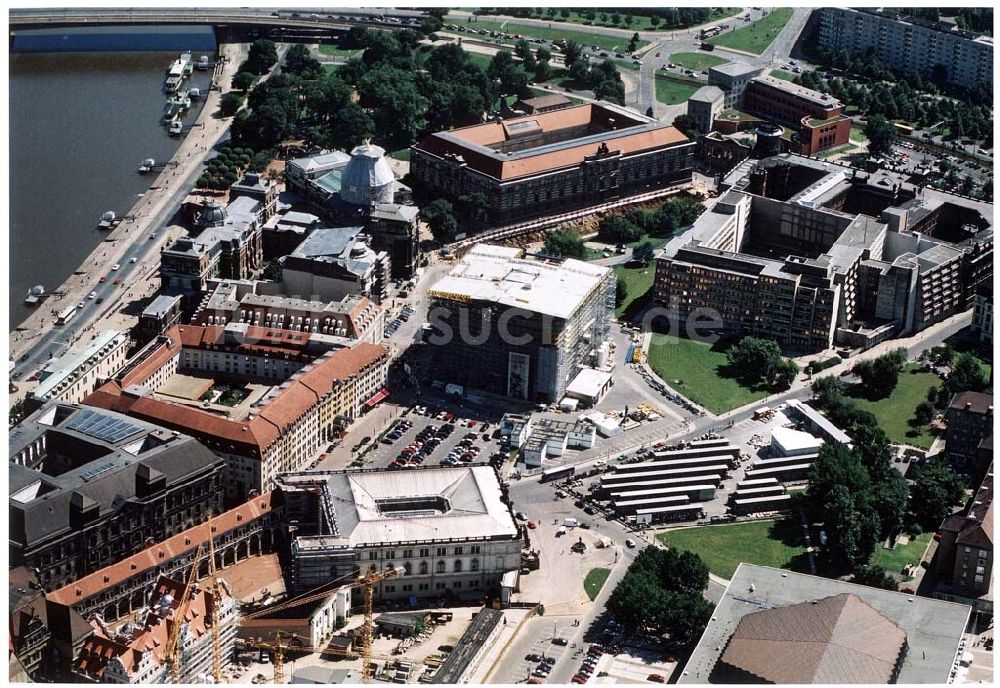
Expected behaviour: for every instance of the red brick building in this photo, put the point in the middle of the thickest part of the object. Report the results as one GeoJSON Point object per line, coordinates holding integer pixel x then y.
{"type": "Point", "coordinates": [818, 118]}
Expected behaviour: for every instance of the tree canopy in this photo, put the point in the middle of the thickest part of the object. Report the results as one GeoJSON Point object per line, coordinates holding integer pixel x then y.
{"type": "Point", "coordinates": [879, 376]}
{"type": "Point", "coordinates": [565, 244]}
{"type": "Point", "coordinates": [966, 374]}
{"type": "Point", "coordinates": [758, 362]}
{"type": "Point", "coordinates": [936, 490]}
{"type": "Point", "coordinates": [662, 592]}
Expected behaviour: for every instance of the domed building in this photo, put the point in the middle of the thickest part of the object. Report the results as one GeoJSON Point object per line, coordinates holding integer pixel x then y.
{"type": "Point", "coordinates": [361, 189]}
{"type": "Point", "coordinates": [367, 179]}
{"type": "Point", "coordinates": [212, 214]}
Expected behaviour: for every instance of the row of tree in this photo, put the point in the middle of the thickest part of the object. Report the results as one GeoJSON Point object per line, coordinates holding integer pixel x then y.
{"type": "Point", "coordinates": [977, 19]}
{"type": "Point", "coordinates": [662, 593]}
{"type": "Point", "coordinates": [665, 221]}
{"type": "Point", "coordinates": [865, 71]}
{"type": "Point", "coordinates": [659, 17]}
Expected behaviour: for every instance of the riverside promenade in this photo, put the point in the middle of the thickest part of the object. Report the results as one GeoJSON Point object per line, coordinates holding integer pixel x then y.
{"type": "Point", "coordinates": [130, 238]}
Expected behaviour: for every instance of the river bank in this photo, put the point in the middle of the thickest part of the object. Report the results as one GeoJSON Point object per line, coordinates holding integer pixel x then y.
{"type": "Point", "coordinates": [129, 239]}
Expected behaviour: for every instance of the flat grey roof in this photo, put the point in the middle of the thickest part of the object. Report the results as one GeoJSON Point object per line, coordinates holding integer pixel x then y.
{"type": "Point", "coordinates": [933, 627]}
{"type": "Point", "coordinates": [735, 69]}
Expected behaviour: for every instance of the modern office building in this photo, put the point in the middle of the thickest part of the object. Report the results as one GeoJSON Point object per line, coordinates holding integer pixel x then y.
{"type": "Point", "coordinates": [452, 530]}
{"type": "Point", "coordinates": [817, 119]}
{"type": "Point", "coordinates": [704, 105]}
{"type": "Point", "coordinates": [516, 327]}
{"type": "Point", "coordinates": [811, 253]}
{"type": "Point", "coordinates": [909, 44]}
{"type": "Point", "coordinates": [732, 78]}
{"type": "Point", "coordinates": [89, 486]}
{"type": "Point", "coordinates": [782, 627]}
{"type": "Point", "coordinates": [78, 372]}
{"type": "Point", "coordinates": [569, 157]}
{"type": "Point", "coordinates": [263, 399]}
{"type": "Point", "coordinates": [336, 262]}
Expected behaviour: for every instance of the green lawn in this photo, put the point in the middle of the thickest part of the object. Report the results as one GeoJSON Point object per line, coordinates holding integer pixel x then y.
{"type": "Point", "coordinates": [626, 64]}
{"type": "Point", "coordinates": [336, 51]}
{"type": "Point", "coordinates": [594, 581]}
{"type": "Point", "coordinates": [639, 282]}
{"type": "Point", "coordinates": [697, 61]}
{"type": "Point", "coordinates": [699, 368]}
{"type": "Point", "coordinates": [639, 22]}
{"type": "Point", "coordinates": [858, 135]}
{"type": "Point", "coordinates": [782, 74]}
{"type": "Point", "coordinates": [481, 59]}
{"type": "Point", "coordinates": [673, 92]}
{"type": "Point", "coordinates": [401, 154]}
{"type": "Point", "coordinates": [895, 411]}
{"type": "Point", "coordinates": [766, 543]}
{"type": "Point", "coordinates": [555, 33]}
{"type": "Point", "coordinates": [893, 560]}
{"type": "Point", "coordinates": [846, 148]}
{"type": "Point", "coordinates": [757, 36]}
{"type": "Point", "coordinates": [330, 68]}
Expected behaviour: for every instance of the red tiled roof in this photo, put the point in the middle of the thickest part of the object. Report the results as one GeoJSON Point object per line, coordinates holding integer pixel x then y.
{"type": "Point", "coordinates": [153, 636]}
{"type": "Point", "coordinates": [256, 435]}
{"type": "Point", "coordinates": [160, 553]}
{"type": "Point", "coordinates": [522, 165]}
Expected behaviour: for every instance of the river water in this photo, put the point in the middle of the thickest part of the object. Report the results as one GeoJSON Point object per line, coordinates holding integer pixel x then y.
{"type": "Point", "coordinates": [80, 124]}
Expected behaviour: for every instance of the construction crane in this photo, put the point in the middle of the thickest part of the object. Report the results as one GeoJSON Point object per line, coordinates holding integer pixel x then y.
{"type": "Point", "coordinates": [214, 589]}
{"type": "Point", "coordinates": [278, 649]}
{"type": "Point", "coordinates": [367, 580]}
{"type": "Point", "coordinates": [173, 651]}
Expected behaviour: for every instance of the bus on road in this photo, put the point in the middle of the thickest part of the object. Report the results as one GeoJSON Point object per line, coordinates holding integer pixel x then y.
{"type": "Point", "coordinates": [66, 315]}
{"type": "Point", "coordinates": [557, 473]}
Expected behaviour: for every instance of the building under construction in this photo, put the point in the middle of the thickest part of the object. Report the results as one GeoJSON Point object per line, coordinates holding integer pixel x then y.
{"type": "Point", "coordinates": [516, 327]}
{"type": "Point", "coordinates": [140, 651]}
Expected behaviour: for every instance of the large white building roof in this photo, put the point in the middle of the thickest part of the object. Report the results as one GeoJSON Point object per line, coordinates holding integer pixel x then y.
{"type": "Point", "coordinates": [789, 442]}
{"type": "Point", "coordinates": [499, 275]}
{"type": "Point", "coordinates": [381, 507]}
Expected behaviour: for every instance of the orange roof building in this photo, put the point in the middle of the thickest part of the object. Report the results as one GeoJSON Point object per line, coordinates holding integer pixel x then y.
{"type": "Point", "coordinates": [569, 157]}
{"type": "Point", "coordinates": [137, 653]}
{"type": "Point", "coordinates": [263, 399]}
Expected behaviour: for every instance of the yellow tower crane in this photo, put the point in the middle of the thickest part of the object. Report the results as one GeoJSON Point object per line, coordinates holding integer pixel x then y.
{"type": "Point", "coordinates": [368, 581]}
{"type": "Point", "coordinates": [214, 589]}
{"type": "Point", "coordinates": [173, 650]}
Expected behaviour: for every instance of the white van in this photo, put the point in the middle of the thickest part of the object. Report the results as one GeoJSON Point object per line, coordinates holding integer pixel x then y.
{"type": "Point", "coordinates": [571, 523]}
